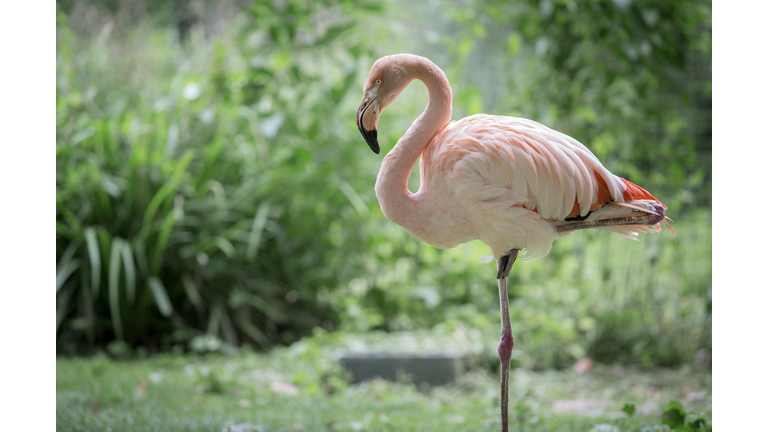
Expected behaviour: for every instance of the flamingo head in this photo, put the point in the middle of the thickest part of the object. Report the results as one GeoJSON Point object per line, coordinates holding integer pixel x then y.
{"type": "Point", "coordinates": [388, 77]}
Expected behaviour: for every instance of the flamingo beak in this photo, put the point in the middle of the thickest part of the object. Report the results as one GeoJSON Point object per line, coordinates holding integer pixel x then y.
{"type": "Point", "coordinates": [366, 120]}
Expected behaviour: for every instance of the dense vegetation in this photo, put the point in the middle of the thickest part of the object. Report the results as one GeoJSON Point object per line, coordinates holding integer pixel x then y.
{"type": "Point", "coordinates": [211, 184]}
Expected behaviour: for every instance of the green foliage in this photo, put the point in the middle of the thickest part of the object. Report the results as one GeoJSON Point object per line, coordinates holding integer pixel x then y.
{"type": "Point", "coordinates": [193, 206]}
{"type": "Point", "coordinates": [629, 409]}
{"type": "Point", "coordinates": [216, 194]}
{"type": "Point", "coordinates": [674, 416]}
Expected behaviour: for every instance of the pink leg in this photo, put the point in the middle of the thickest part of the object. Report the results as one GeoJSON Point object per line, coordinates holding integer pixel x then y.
{"type": "Point", "coordinates": [507, 341]}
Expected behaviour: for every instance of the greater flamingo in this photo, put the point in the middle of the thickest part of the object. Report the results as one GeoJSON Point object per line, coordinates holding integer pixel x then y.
{"type": "Point", "coordinates": [510, 182]}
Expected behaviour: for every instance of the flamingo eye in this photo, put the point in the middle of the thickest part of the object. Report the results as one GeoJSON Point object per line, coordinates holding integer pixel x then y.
{"type": "Point", "coordinates": [378, 81]}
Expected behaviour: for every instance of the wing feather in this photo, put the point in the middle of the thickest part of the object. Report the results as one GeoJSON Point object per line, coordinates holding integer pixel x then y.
{"type": "Point", "coordinates": [516, 176]}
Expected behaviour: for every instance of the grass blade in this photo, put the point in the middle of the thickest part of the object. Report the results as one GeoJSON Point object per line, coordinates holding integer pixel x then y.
{"type": "Point", "coordinates": [267, 308]}
{"type": "Point", "coordinates": [251, 330]}
{"type": "Point", "coordinates": [69, 253]}
{"type": "Point", "coordinates": [65, 271]}
{"type": "Point", "coordinates": [225, 247]}
{"type": "Point", "coordinates": [114, 287]}
{"type": "Point", "coordinates": [162, 240]}
{"type": "Point", "coordinates": [130, 272]}
{"type": "Point", "coordinates": [161, 296]}
{"type": "Point", "coordinates": [63, 230]}
{"type": "Point", "coordinates": [192, 293]}
{"type": "Point", "coordinates": [258, 227]}
{"type": "Point", "coordinates": [72, 220]}
{"type": "Point", "coordinates": [95, 257]}
{"type": "Point", "coordinates": [167, 189]}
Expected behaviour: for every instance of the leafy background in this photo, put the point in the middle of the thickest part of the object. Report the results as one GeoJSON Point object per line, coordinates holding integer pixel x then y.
{"type": "Point", "coordinates": [212, 189]}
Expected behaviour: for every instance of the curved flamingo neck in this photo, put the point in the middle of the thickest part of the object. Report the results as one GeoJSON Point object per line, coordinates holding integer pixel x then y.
{"type": "Point", "coordinates": [397, 202]}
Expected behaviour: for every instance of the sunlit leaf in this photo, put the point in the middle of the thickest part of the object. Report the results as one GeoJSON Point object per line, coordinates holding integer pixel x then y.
{"type": "Point", "coordinates": [514, 42]}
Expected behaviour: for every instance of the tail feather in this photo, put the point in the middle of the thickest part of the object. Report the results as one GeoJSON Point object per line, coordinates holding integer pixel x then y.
{"type": "Point", "coordinates": [635, 192]}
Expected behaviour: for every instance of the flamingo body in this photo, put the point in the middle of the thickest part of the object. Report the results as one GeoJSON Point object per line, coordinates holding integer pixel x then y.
{"type": "Point", "coordinates": [506, 181]}
{"type": "Point", "coordinates": [510, 182]}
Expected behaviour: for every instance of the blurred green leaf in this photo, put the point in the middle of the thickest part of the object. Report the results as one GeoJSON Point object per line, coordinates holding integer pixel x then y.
{"type": "Point", "coordinates": [192, 292]}
{"type": "Point", "coordinates": [674, 415]}
{"type": "Point", "coordinates": [64, 271]}
{"type": "Point", "coordinates": [629, 408]}
{"type": "Point", "coordinates": [114, 286]}
{"type": "Point", "coordinates": [341, 90]}
{"type": "Point", "coordinates": [168, 189]}
{"type": "Point", "coordinates": [95, 258]}
{"type": "Point", "coordinates": [256, 230]}
{"type": "Point", "coordinates": [160, 295]}
{"type": "Point", "coordinates": [354, 198]}
{"type": "Point", "coordinates": [334, 32]}
{"type": "Point", "coordinates": [225, 247]}
{"type": "Point", "coordinates": [130, 272]}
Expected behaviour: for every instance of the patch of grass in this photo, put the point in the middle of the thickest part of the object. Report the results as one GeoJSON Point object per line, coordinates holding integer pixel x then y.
{"type": "Point", "coordinates": [302, 388]}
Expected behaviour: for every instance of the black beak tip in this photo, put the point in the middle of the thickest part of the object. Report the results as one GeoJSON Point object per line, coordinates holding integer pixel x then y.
{"type": "Point", "coordinates": [375, 147]}
{"type": "Point", "coordinates": [371, 138]}
{"type": "Point", "coordinates": [373, 142]}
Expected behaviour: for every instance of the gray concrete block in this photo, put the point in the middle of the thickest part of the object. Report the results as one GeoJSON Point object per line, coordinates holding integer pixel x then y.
{"type": "Point", "coordinates": [431, 368]}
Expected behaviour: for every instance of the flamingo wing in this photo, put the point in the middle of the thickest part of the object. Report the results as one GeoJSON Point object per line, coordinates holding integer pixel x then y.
{"type": "Point", "coordinates": [518, 179]}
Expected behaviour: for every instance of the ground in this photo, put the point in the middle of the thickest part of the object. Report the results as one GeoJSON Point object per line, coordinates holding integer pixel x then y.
{"type": "Point", "coordinates": [286, 390]}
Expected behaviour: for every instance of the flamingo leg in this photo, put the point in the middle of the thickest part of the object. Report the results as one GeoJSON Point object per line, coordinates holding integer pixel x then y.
{"type": "Point", "coordinates": [507, 341]}
{"type": "Point", "coordinates": [646, 219]}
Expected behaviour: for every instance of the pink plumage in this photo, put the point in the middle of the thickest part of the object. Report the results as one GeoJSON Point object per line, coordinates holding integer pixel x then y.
{"type": "Point", "coordinates": [509, 182]}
